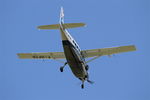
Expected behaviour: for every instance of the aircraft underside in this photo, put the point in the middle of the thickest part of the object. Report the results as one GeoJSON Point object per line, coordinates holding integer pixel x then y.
{"type": "Point", "coordinates": [76, 64]}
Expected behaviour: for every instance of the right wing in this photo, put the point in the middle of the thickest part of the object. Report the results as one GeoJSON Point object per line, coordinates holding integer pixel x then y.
{"type": "Point", "coordinates": [47, 55]}
{"type": "Point", "coordinates": [107, 51]}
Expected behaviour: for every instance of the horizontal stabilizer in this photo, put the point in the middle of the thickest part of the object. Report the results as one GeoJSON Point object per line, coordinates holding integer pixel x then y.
{"type": "Point", "coordinates": [57, 26]}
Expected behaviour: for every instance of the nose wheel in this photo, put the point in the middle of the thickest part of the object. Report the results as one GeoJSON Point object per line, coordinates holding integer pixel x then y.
{"type": "Point", "coordinates": [82, 86]}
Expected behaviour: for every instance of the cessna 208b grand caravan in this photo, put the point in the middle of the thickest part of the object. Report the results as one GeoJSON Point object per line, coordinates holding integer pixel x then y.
{"type": "Point", "coordinates": [72, 53]}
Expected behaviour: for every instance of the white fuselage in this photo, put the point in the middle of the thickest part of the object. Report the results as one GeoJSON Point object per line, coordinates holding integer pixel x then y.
{"type": "Point", "coordinates": [73, 54]}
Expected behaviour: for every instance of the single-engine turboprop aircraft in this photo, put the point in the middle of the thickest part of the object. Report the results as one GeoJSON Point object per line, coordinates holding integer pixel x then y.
{"type": "Point", "coordinates": [72, 53]}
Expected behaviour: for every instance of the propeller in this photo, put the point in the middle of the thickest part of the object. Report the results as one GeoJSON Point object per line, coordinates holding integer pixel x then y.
{"type": "Point", "coordinates": [89, 81]}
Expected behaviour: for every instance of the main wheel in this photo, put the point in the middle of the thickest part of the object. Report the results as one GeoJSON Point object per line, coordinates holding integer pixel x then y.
{"type": "Point", "coordinates": [87, 67]}
{"type": "Point", "coordinates": [61, 69]}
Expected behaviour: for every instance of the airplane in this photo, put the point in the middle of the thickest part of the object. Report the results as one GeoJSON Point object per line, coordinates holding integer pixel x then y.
{"type": "Point", "coordinates": [75, 57]}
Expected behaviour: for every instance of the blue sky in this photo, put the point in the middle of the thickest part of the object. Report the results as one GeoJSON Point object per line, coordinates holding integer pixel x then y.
{"type": "Point", "coordinates": [109, 23]}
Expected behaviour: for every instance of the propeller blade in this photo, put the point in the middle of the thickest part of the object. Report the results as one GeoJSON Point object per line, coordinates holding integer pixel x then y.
{"type": "Point", "coordinates": [91, 82]}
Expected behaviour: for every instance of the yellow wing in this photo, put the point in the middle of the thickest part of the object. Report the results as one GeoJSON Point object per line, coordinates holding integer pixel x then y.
{"type": "Point", "coordinates": [107, 51]}
{"type": "Point", "coordinates": [47, 55]}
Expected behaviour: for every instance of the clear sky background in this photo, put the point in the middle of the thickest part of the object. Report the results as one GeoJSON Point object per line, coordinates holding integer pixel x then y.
{"type": "Point", "coordinates": [110, 23]}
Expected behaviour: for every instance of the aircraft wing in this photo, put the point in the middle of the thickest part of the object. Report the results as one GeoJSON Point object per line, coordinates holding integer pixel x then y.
{"type": "Point", "coordinates": [107, 51]}
{"type": "Point", "coordinates": [47, 55]}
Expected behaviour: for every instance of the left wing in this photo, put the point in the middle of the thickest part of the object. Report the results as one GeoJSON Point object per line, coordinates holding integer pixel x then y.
{"type": "Point", "coordinates": [47, 55]}
{"type": "Point", "coordinates": [107, 51]}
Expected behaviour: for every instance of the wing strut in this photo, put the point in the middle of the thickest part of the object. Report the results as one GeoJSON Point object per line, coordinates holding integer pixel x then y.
{"type": "Point", "coordinates": [92, 59]}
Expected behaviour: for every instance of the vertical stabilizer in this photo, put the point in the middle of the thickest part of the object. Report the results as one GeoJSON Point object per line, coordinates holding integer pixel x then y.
{"type": "Point", "coordinates": [61, 23]}
{"type": "Point", "coordinates": [61, 15]}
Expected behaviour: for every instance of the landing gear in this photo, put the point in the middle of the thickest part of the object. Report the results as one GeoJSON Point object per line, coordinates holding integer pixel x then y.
{"type": "Point", "coordinates": [62, 68]}
{"type": "Point", "coordinates": [82, 86]}
{"type": "Point", "coordinates": [87, 67]}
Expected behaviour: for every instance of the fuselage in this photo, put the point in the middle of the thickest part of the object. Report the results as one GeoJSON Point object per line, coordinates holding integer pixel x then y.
{"type": "Point", "coordinates": [73, 54]}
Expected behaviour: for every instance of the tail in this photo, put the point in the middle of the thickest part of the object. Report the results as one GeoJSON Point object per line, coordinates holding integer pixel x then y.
{"type": "Point", "coordinates": [62, 15]}
{"type": "Point", "coordinates": [61, 21]}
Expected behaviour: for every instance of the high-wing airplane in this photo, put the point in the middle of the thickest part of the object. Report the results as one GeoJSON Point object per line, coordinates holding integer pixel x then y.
{"type": "Point", "coordinates": [72, 53]}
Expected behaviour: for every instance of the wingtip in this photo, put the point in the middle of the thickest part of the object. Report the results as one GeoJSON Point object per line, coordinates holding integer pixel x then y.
{"type": "Point", "coordinates": [134, 47]}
